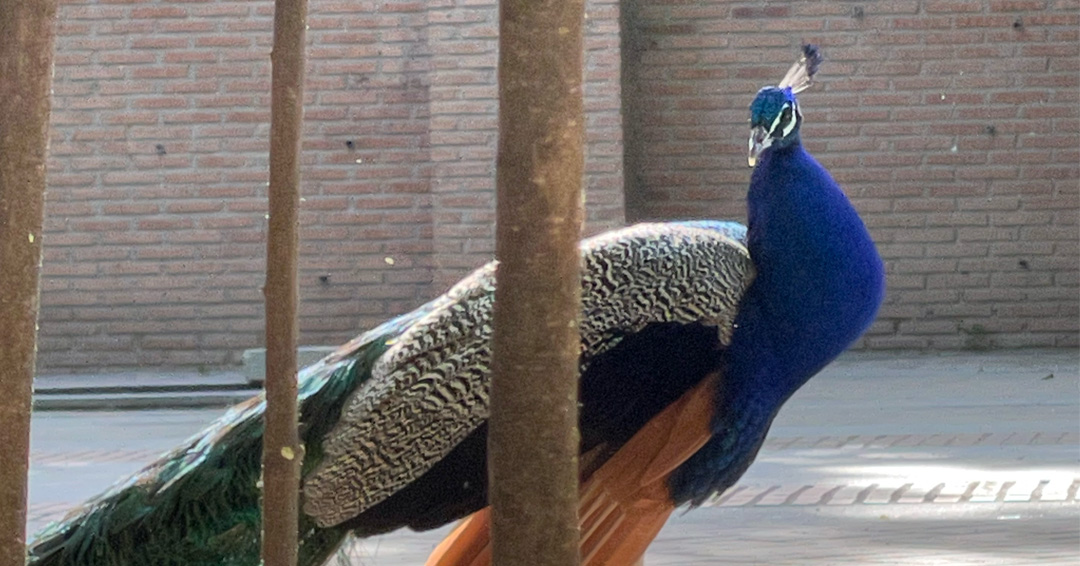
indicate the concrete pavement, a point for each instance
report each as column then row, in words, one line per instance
column 882, row 459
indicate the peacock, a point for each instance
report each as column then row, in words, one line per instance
column 694, row 334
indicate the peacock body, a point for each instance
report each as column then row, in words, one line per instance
column 694, row 334
column 385, row 409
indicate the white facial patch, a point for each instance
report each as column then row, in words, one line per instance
column 776, row 121
column 793, row 121
column 786, row 127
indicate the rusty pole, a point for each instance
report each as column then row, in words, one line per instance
column 533, row 436
column 26, row 52
column 282, row 452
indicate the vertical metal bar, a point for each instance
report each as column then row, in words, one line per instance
column 282, row 452
column 533, row 436
column 26, row 53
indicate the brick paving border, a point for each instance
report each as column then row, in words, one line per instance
column 1055, row 490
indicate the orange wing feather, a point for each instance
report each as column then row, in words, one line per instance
column 625, row 503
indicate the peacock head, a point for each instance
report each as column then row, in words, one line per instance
column 774, row 114
column 774, row 120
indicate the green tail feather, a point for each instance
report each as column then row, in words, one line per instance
column 199, row 505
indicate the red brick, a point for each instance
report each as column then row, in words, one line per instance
column 223, row 41
column 212, row 9
column 157, row 12
column 933, row 6
column 761, row 12
column 159, row 42
column 159, row 72
column 1016, row 5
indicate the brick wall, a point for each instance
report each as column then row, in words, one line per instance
column 463, row 36
column 156, row 226
column 155, row 223
column 953, row 126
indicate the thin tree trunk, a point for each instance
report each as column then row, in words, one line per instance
column 26, row 52
column 282, row 452
column 533, row 437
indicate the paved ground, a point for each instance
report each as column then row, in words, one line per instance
column 882, row 459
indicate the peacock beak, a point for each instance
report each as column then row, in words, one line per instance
column 759, row 140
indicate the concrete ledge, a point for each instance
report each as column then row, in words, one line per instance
column 117, row 401
column 140, row 381
column 140, row 390
column 254, row 361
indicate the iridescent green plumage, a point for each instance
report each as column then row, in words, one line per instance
column 199, row 505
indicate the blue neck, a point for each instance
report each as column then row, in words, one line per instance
column 819, row 277
column 818, row 287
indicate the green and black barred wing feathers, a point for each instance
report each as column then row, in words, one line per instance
column 431, row 388
column 394, row 422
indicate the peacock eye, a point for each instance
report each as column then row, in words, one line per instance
column 785, row 119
